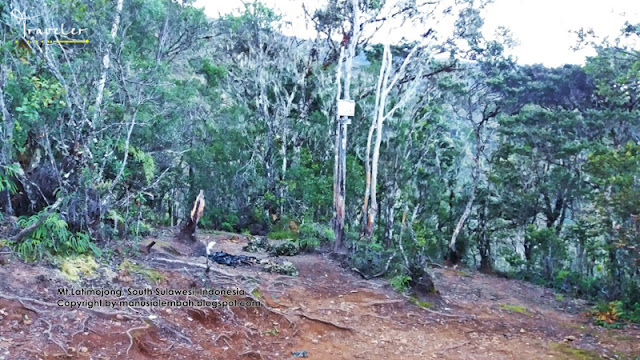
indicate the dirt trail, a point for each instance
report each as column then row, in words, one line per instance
column 327, row 311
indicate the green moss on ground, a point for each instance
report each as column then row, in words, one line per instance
column 75, row 267
column 571, row 353
column 152, row 275
column 423, row 304
column 516, row 308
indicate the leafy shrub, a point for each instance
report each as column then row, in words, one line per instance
column 608, row 314
column 311, row 236
column 54, row 237
column 400, row 283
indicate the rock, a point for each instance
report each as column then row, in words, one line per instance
column 522, row 330
column 257, row 229
column 570, row 338
column 109, row 274
column 315, row 341
column 119, row 317
column 83, row 349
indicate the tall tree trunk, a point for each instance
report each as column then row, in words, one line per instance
column 454, row 257
column 7, row 134
column 381, row 115
column 373, row 210
column 341, row 150
column 367, row 158
column 106, row 61
column 484, row 242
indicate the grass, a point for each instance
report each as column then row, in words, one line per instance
column 559, row 297
column 516, row 308
column 282, row 235
column 571, row 353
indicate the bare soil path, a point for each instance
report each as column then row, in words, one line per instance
column 327, row 311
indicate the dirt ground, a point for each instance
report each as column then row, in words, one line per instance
column 328, row 311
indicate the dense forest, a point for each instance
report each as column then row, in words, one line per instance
column 456, row 154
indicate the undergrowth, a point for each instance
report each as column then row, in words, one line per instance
column 52, row 237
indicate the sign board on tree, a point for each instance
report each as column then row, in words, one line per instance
column 346, row 107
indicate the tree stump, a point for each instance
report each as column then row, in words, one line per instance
column 189, row 229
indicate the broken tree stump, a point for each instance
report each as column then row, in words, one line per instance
column 189, row 229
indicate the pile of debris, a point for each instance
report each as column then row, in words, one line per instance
column 277, row 267
column 256, row 244
column 279, row 248
column 224, row 258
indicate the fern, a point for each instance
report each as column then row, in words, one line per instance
column 53, row 237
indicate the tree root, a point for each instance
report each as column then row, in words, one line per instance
column 251, row 352
column 82, row 327
column 201, row 266
column 50, row 338
column 326, row 322
column 224, row 337
column 175, row 332
column 381, row 302
column 48, row 304
column 452, row 347
column 131, row 341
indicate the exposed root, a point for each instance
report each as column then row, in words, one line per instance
column 201, row 266
column 20, row 299
column 264, row 306
column 82, row 327
column 327, row 322
column 29, row 307
column 381, row 302
column 250, row 352
column 50, row 338
column 471, row 317
column 441, row 352
column 175, row 332
column 224, row 337
column 146, row 326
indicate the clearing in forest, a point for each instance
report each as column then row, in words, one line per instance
column 328, row 311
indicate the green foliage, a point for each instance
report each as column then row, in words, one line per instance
column 53, row 237
column 282, row 235
column 312, row 235
column 5, row 181
column 400, row 283
column 212, row 73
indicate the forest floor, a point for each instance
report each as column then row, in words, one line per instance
column 328, row 311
